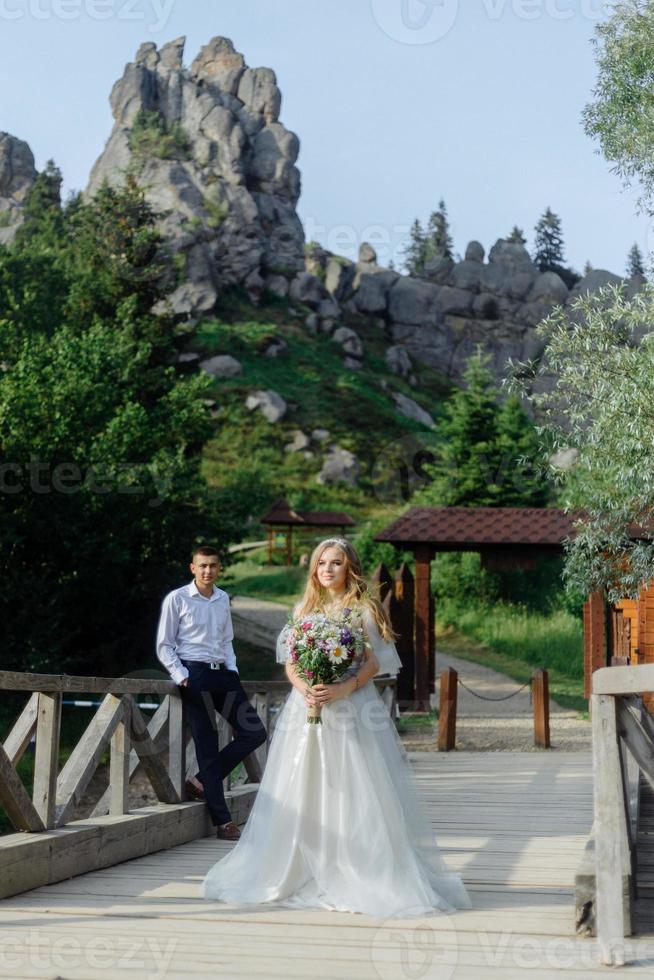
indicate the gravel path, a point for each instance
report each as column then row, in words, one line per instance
column 257, row 621
column 496, row 726
column 505, row 726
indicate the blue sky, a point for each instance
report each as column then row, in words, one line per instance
column 397, row 103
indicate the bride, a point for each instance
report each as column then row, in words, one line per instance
column 336, row 823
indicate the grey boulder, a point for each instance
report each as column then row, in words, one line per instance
column 271, row 405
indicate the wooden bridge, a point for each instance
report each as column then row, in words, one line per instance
column 515, row 825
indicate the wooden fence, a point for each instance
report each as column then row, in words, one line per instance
column 623, row 748
column 160, row 747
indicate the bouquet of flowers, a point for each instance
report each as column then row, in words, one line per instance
column 323, row 647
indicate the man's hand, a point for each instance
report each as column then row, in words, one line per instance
column 184, row 683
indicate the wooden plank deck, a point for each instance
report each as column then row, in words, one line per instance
column 514, row 825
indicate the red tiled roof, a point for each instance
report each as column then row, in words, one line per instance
column 455, row 527
column 282, row 513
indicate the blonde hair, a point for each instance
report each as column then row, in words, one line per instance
column 356, row 593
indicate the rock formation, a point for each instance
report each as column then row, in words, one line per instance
column 17, row 174
column 207, row 143
column 442, row 319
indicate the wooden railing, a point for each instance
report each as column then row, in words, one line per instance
column 161, row 746
column 623, row 748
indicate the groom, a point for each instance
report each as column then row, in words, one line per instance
column 194, row 644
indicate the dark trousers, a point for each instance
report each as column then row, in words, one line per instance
column 220, row 689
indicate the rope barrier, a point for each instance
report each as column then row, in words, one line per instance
column 503, row 697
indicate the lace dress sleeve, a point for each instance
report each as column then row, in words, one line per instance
column 282, row 651
column 384, row 650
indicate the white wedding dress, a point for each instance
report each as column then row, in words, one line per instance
column 336, row 823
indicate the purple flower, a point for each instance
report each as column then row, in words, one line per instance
column 346, row 612
column 309, row 673
column 346, row 636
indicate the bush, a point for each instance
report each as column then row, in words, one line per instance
column 216, row 209
column 151, row 136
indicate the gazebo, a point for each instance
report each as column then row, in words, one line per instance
column 506, row 537
column 281, row 519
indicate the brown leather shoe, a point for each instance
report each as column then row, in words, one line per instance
column 228, row 831
column 194, row 792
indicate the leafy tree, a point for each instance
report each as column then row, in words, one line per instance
column 600, row 358
column 33, row 280
column 621, row 114
column 488, row 450
column 100, row 442
column 517, row 236
column 635, row 262
column 600, row 408
column 548, row 242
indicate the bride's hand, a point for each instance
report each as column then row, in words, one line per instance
column 309, row 697
column 325, row 693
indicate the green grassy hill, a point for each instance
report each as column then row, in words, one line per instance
column 247, row 454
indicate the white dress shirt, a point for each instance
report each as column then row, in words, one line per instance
column 194, row 627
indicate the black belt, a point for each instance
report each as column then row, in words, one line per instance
column 213, row 664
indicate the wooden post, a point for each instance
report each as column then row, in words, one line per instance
column 594, row 637
column 177, row 744
column 381, row 581
column 646, row 635
column 46, row 758
column 609, row 831
column 540, row 692
column 447, row 712
column 423, row 620
column 432, row 640
column 402, row 620
column 14, row 798
column 119, row 764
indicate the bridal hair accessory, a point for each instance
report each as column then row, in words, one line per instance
column 341, row 542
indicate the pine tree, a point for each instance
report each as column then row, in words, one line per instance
column 517, row 236
column 635, row 262
column 588, row 268
column 432, row 242
column 415, row 251
column 439, row 242
column 520, row 479
column 548, row 242
column 486, row 457
column 42, row 212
